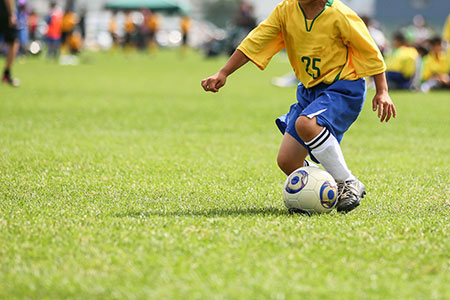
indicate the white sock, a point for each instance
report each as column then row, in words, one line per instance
column 327, row 150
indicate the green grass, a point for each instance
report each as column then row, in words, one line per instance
column 120, row 178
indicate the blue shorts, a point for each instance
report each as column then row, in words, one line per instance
column 336, row 106
column 397, row 81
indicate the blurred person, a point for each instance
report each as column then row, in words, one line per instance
column 418, row 33
column 130, row 31
column 75, row 43
column 435, row 67
column 214, row 47
column 54, row 30
column 82, row 23
column 401, row 63
column 422, row 51
column 245, row 17
column 8, row 22
column 22, row 27
column 33, row 22
column 376, row 33
column 243, row 23
column 69, row 22
column 112, row 28
column 332, row 90
column 153, row 27
column 185, row 25
column 142, row 36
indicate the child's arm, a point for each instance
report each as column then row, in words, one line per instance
column 215, row 82
column 382, row 100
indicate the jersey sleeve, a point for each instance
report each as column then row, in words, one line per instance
column 263, row 42
column 364, row 54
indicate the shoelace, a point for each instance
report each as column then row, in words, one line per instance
column 344, row 189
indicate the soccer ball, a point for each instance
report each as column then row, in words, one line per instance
column 310, row 190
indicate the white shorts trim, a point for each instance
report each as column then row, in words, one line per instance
column 316, row 113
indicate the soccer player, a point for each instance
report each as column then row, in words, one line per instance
column 54, row 30
column 435, row 67
column 69, row 22
column 331, row 51
column 185, row 25
column 8, row 29
column 401, row 64
column 130, row 31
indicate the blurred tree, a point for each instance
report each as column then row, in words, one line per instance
column 220, row 12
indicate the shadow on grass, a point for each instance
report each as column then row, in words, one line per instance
column 215, row 212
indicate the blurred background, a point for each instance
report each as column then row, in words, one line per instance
column 62, row 29
column 218, row 14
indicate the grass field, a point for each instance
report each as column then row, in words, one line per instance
column 121, row 179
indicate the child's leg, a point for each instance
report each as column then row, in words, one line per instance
column 291, row 155
column 324, row 147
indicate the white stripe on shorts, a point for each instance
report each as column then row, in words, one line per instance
column 310, row 116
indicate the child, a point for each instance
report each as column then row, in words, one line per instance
column 331, row 51
column 8, row 29
column 435, row 67
column 401, row 64
column 54, row 27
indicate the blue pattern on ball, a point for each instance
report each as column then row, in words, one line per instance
column 300, row 178
column 330, row 194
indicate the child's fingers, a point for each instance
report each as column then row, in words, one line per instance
column 209, row 85
column 374, row 104
column 389, row 114
column 385, row 111
column 204, row 84
column 381, row 112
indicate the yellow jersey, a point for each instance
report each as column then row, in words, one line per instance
column 433, row 65
column 153, row 23
column 113, row 26
column 69, row 22
column 185, row 24
column 446, row 31
column 403, row 60
column 129, row 24
column 335, row 45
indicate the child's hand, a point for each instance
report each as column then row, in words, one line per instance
column 214, row 83
column 386, row 107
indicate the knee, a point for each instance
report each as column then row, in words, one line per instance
column 307, row 128
column 285, row 163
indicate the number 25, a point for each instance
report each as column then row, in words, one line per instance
column 307, row 60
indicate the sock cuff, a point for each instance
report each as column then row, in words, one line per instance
column 319, row 139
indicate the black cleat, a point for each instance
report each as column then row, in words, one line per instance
column 350, row 193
